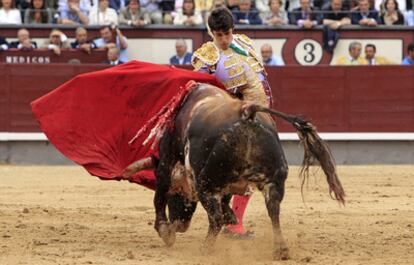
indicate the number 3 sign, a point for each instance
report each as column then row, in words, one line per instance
column 308, row 52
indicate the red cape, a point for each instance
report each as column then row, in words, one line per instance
column 91, row 118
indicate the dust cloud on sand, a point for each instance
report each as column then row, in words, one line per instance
column 61, row 215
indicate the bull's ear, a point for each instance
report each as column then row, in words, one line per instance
column 248, row 111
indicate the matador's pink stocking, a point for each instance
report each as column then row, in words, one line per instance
column 239, row 207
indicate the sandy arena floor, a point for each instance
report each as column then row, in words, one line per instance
column 61, row 215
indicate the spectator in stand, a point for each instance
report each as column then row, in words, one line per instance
column 182, row 56
column 38, row 13
column 392, row 14
column 84, row 5
column 268, row 57
column 402, row 5
column 23, row 41
column 81, row 41
column 335, row 15
column 232, row 4
column 113, row 57
column 8, row 13
column 103, row 15
column 352, row 5
column 354, row 57
column 152, row 7
column 4, row 45
column 275, row 15
column 245, row 14
column 188, row 16
column 364, row 15
column 409, row 59
column 57, row 41
column 371, row 58
column 73, row 14
column 111, row 36
column 409, row 18
column 134, row 15
column 304, row 16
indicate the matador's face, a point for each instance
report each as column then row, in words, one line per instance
column 223, row 38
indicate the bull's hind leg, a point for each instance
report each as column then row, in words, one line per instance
column 228, row 214
column 273, row 193
column 212, row 204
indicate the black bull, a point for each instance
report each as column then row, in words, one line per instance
column 219, row 146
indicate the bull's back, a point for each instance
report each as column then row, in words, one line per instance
column 205, row 109
column 224, row 145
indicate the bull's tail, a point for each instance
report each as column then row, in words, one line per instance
column 315, row 148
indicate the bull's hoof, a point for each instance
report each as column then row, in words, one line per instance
column 167, row 233
column 182, row 226
column 282, row 254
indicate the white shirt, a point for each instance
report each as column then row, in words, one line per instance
column 10, row 17
column 180, row 17
column 108, row 17
column 114, row 62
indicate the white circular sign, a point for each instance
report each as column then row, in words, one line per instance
column 308, row 52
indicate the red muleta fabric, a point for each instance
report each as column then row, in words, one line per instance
column 91, row 118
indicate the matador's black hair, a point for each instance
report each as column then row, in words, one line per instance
column 221, row 19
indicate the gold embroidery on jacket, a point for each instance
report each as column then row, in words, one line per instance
column 208, row 54
column 230, row 62
column 235, row 82
column 236, row 71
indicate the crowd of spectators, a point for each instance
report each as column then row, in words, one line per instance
column 111, row 39
column 138, row 13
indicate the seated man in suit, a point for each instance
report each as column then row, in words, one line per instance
column 364, row 15
column 182, row 56
column 23, row 41
column 134, row 15
column 335, row 15
column 304, row 16
column 354, row 57
column 113, row 56
column 245, row 14
column 372, row 58
column 81, row 41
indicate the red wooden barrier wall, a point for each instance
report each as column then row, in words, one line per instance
column 347, row 99
column 336, row 99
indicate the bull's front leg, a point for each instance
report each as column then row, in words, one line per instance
column 165, row 230
column 212, row 204
column 273, row 194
